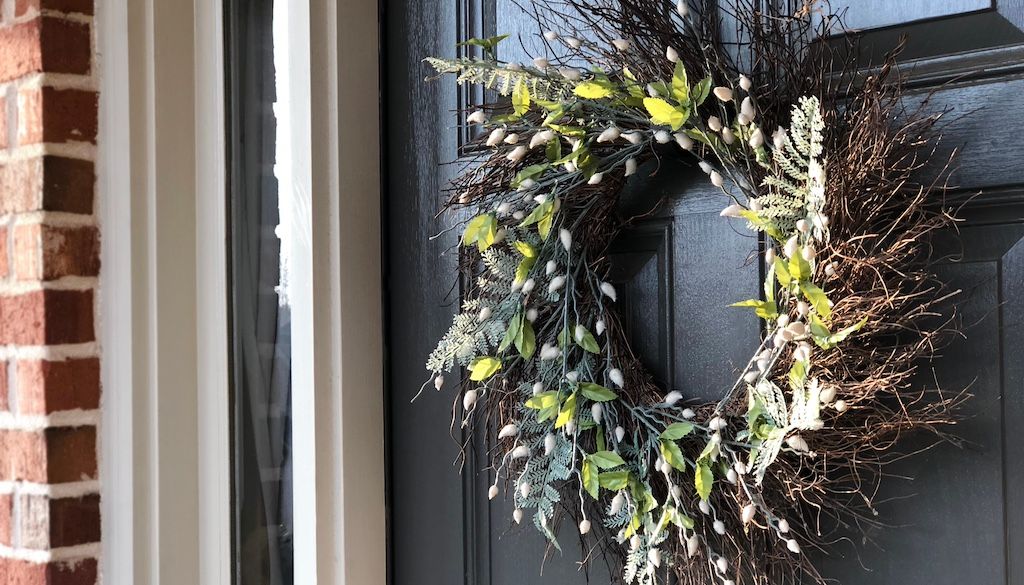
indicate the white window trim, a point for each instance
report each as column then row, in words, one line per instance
column 165, row 457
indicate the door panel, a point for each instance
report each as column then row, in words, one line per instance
column 677, row 270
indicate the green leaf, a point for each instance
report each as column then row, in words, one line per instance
column 606, row 459
column 530, row 172
column 679, row 519
column 567, row 411
column 614, row 480
column 593, row 90
column 526, row 340
column 701, row 91
column 664, row 113
column 597, row 392
column 676, row 431
column 539, row 213
column 710, row 139
column 484, row 367
column 670, row 452
column 574, row 131
column 563, row 339
column 680, row 85
column 826, row 339
column 589, row 477
column 520, row 98
column 553, row 150
column 587, row 341
column 488, row 44
column 762, row 223
column 817, row 298
column 543, row 400
column 512, row 332
column 703, row 480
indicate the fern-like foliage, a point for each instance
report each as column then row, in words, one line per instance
column 796, row 189
column 501, row 78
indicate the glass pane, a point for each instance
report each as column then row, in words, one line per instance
column 260, row 311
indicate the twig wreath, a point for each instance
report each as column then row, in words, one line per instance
column 817, row 154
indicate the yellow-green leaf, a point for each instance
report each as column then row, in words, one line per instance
column 520, row 98
column 782, row 273
column 543, row 400
column 523, row 270
column 817, row 298
column 482, row 368
column 592, row 90
column 664, row 113
column 589, row 477
column 680, row 85
column 567, row 411
column 798, row 375
column 799, row 268
column 525, row 248
column 703, row 480
column 670, row 452
column 472, row 233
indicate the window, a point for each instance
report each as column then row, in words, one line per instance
column 262, row 196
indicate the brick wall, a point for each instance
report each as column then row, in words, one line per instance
column 49, row 263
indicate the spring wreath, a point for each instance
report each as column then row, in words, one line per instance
column 818, row 155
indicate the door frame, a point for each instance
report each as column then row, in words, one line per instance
column 165, row 447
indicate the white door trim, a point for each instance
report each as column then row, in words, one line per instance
column 165, row 442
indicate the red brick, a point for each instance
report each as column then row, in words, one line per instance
column 45, row 523
column 49, row 44
column 18, row 572
column 71, row 454
column 74, row 521
column 48, row 183
column 67, row 6
column 6, row 502
column 57, row 115
column 56, row 455
column 46, row 317
column 22, row 456
column 49, row 386
column 3, row 123
column 4, row 268
column 43, row 252
column 4, row 402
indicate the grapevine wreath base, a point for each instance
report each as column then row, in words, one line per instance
column 820, row 157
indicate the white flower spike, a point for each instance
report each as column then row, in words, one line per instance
column 565, row 236
column 723, row 93
column 615, row 375
column 608, row 290
column 609, row 134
